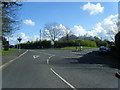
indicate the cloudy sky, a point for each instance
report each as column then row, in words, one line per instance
column 82, row 18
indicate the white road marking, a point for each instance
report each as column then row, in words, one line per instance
column 35, row 56
column 54, row 54
column 79, row 53
column 49, row 59
column 63, row 79
column 51, row 55
column 74, row 57
column 41, row 52
column 12, row 60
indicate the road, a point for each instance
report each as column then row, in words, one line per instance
column 60, row 69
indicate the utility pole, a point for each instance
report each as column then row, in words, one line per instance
column 40, row 39
column 40, row 35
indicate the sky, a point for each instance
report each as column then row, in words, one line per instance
column 82, row 18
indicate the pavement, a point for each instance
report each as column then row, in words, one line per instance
column 61, row 69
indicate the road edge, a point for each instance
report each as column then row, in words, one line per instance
column 10, row 61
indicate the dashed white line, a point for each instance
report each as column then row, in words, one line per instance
column 63, row 79
column 13, row 60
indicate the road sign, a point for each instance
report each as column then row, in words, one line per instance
column 52, row 42
column 19, row 39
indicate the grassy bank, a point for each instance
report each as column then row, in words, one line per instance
column 78, row 47
column 10, row 51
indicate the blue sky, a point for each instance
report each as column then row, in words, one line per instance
column 68, row 14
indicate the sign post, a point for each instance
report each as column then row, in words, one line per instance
column 80, row 45
column 52, row 44
column 19, row 40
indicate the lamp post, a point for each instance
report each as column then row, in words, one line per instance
column 19, row 39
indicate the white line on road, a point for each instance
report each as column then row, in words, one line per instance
column 35, row 56
column 41, row 52
column 63, row 79
column 74, row 57
column 51, row 55
column 49, row 59
column 13, row 60
column 54, row 54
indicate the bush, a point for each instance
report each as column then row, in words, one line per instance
column 57, row 44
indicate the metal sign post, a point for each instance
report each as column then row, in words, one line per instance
column 19, row 39
column 52, row 44
column 80, row 45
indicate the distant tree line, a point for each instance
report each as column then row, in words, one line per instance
column 63, row 42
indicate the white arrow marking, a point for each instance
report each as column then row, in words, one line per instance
column 35, row 56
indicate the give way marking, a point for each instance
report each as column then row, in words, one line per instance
column 35, row 56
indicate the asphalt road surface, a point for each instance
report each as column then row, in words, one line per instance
column 60, row 69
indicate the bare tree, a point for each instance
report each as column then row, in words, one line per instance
column 67, row 33
column 114, row 30
column 52, row 31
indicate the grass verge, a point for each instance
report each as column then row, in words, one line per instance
column 84, row 47
column 10, row 51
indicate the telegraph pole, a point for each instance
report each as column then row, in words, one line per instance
column 40, row 35
column 40, row 39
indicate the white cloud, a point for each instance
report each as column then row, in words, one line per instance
column 29, row 22
column 35, row 37
column 60, row 28
column 78, row 30
column 105, row 29
column 25, row 38
column 47, row 31
column 63, row 29
column 93, row 8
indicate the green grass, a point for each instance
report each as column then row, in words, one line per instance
column 84, row 47
column 10, row 51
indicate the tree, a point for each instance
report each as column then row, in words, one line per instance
column 98, row 41
column 53, row 31
column 67, row 33
column 68, row 37
column 9, row 20
column 117, row 44
column 114, row 30
column 9, row 17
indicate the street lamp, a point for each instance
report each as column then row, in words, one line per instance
column 19, row 39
